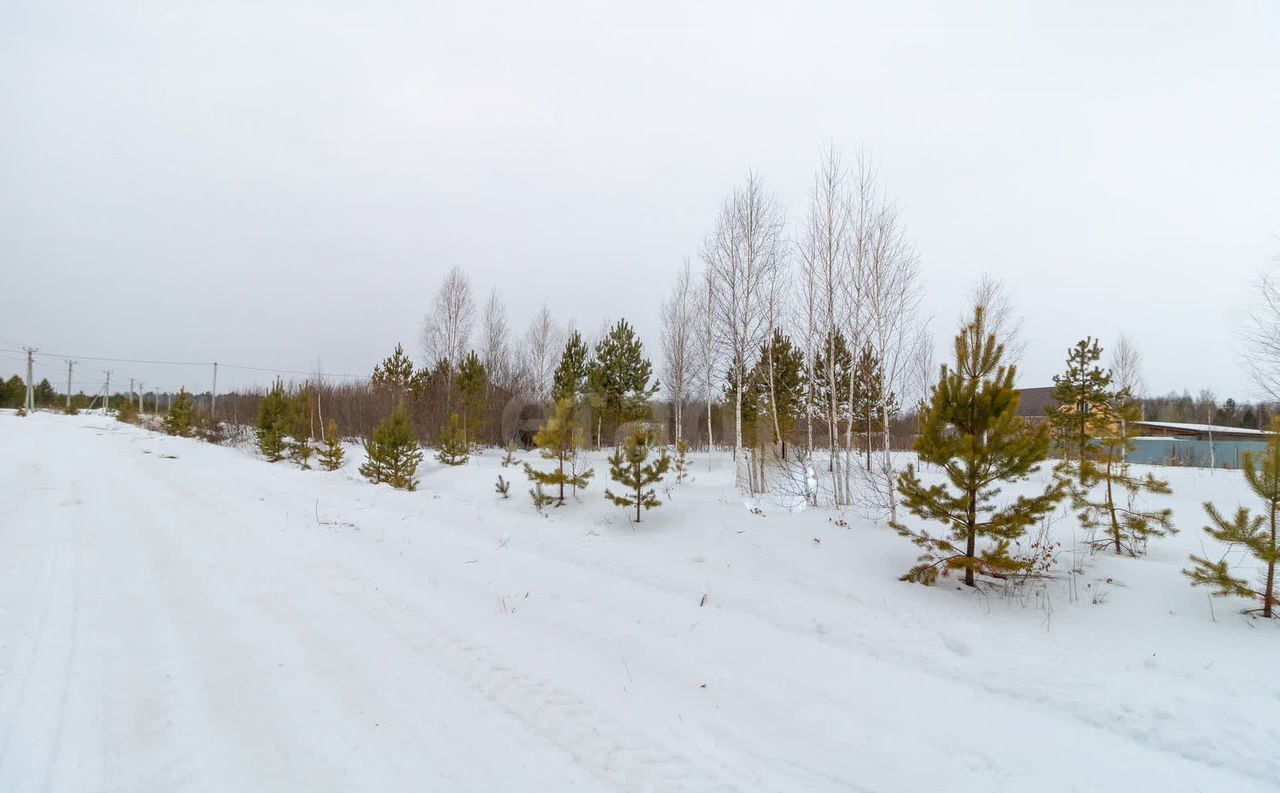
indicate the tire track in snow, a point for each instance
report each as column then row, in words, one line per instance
column 38, row 706
column 613, row 754
column 1257, row 765
column 629, row 762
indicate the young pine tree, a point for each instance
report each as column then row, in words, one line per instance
column 453, row 448
column 393, row 454
column 751, row 407
column 559, row 440
column 127, row 412
column 780, row 386
column 869, row 398
column 569, row 381
column 397, row 383
column 395, row 374
column 179, row 418
column 1079, row 393
column 298, row 428
column 273, row 423
column 832, row 371
column 971, row 430
column 630, row 467
column 1125, row 526
column 331, row 454
column 13, row 392
column 1256, row 534
column 44, row 393
column 471, row 384
column 620, row 378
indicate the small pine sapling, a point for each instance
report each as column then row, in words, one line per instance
column 395, row 375
column 540, row 499
column 127, row 412
column 681, row 463
column 560, row 440
column 393, row 453
column 1126, row 527
column 509, row 458
column 332, row 454
column 872, row 402
column 1079, row 394
column 503, row 487
column 178, row 420
column 630, row 467
column 471, row 384
column 453, row 448
column 298, row 439
column 300, row 451
column 273, row 417
column 972, row 431
column 1256, row 534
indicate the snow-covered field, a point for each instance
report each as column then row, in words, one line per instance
column 176, row 616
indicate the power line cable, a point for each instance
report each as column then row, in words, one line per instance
column 146, row 362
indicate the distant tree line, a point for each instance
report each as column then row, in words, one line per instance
column 1205, row 408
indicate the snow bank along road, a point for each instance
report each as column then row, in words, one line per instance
column 181, row 617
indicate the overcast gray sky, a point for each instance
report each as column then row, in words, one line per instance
column 268, row 182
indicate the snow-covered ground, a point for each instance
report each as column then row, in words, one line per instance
column 177, row 616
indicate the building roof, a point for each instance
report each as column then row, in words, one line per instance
column 1200, row 429
column 1035, row 402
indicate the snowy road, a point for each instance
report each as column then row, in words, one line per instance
column 181, row 617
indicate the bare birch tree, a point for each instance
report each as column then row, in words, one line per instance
column 496, row 342
column 774, row 306
column 825, row 249
column 708, row 351
column 1125, row 361
column 1002, row 318
column 807, row 318
column 1262, row 337
column 446, row 329
column 889, row 292
column 743, row 253
column 865, row 208
column 921, row 372
column 542, row 342
column 680, row 315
